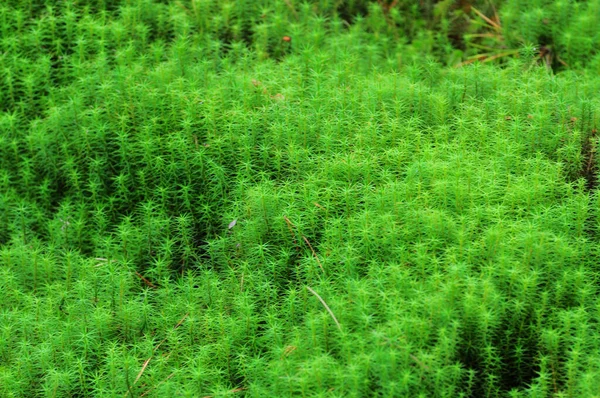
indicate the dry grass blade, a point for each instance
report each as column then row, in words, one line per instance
column 139, row 374
column 492, row 23
column 486, row 57
column 496, row 16
column 326, row 307
column 144, row 366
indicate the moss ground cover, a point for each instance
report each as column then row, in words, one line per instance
column 192, row 206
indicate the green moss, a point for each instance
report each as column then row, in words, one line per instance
column 401, row 228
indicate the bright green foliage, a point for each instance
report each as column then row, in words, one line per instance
column 167, row 200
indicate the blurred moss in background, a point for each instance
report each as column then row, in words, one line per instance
column 562, row 33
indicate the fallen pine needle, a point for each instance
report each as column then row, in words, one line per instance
column 142, row 371
column 326, row 307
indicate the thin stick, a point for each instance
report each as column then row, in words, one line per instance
column 314, row 254
column 326, row 307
